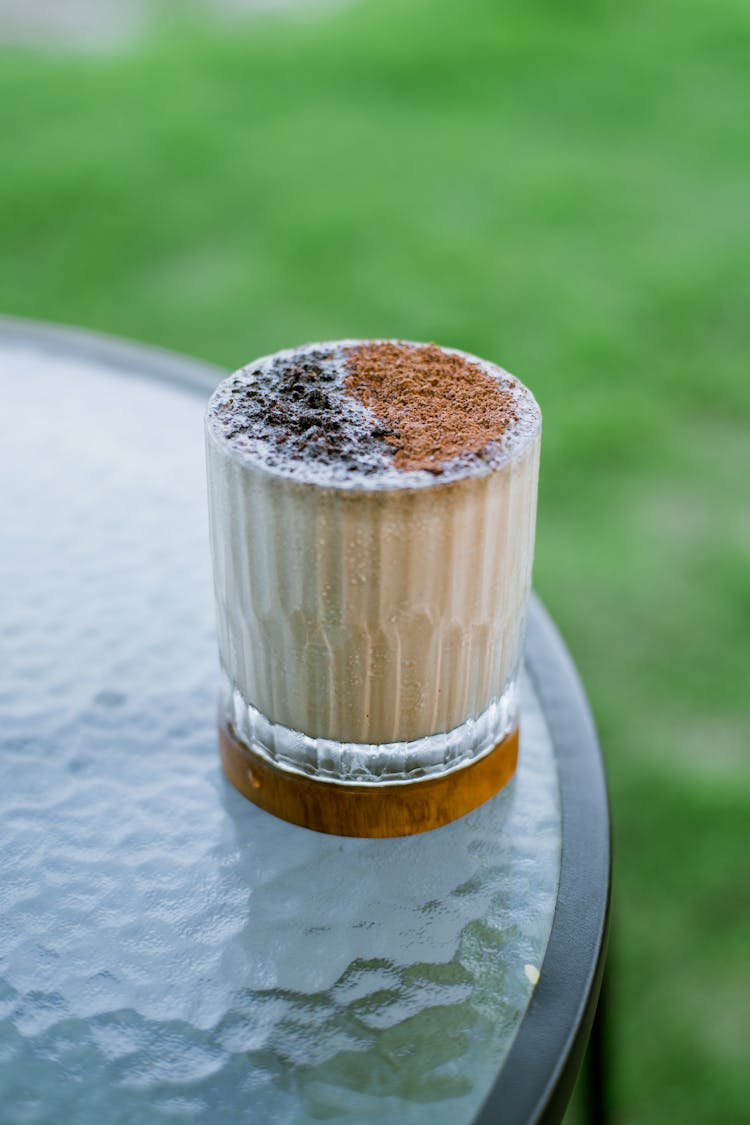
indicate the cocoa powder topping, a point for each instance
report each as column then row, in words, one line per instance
column 432, row 405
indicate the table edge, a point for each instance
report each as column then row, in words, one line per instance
column 127, row 356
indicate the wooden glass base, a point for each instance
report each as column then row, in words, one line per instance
column 400, row 809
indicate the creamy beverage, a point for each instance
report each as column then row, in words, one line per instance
column 372, row 508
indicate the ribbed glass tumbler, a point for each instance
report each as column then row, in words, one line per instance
column 371, row 635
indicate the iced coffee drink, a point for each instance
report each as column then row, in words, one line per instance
column 372, row 510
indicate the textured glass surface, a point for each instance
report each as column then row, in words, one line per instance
column 168, row 952
column 368, row 763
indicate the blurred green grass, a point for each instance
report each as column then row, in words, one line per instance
column 563, row 189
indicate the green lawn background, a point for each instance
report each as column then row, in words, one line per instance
column 564, row 189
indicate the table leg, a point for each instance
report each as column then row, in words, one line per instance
column 597, row 1085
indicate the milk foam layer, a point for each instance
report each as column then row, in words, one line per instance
column 272, row 414
column 371, row 632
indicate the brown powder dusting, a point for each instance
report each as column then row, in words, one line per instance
column 432, row 406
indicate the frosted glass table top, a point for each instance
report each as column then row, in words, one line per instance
column 169, row 952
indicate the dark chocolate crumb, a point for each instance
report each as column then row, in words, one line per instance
column 318, row 400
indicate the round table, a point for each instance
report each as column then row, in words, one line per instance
column 169, row 952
